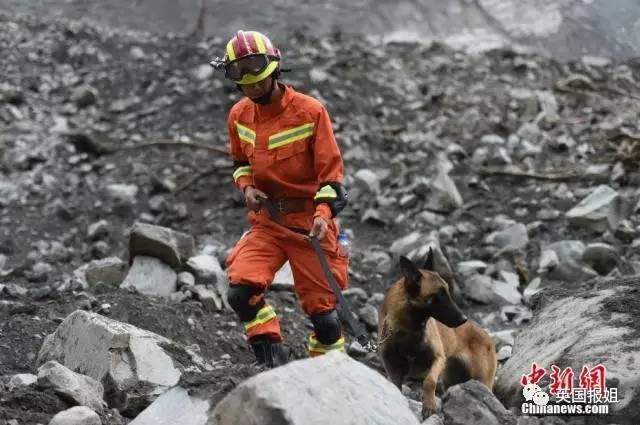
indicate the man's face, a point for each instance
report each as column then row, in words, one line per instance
column 258, row 89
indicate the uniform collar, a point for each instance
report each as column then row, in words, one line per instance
column 265, row 112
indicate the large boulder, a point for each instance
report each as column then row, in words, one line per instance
column 328, row 389
column 133, row 365
column 597, row 326
column 174, row 248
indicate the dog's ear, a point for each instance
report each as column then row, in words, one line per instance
column 411, row 276
column 428, row 263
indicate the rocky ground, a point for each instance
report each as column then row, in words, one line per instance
column 523, row 169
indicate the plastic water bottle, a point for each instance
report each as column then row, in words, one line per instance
column 344, row 246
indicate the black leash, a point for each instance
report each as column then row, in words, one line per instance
column 344, row 309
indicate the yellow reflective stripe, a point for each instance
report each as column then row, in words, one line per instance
column 242, row 171
column 316, row 346
column 230, row 53
column 289, row 136
column 265, row 314
column 245, row 133
column 259, row 43
column 326, row 191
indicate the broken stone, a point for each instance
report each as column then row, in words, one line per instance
column 512, row 238
column 208, row 298
column 79, row 415
column 332, row 383
column 174, row 407
column 174, row 248
column 206, row 269
column 473, row 403
column 80, row 389
column 21, row 380
column 602, row 257
column 485, row 290
column 134, row 365
column 151, row 276
column 603, row 209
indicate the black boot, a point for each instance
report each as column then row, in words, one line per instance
column 268, row 353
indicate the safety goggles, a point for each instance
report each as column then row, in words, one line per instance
column 254, row 64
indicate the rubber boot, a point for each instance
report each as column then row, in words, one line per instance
column 268, row 353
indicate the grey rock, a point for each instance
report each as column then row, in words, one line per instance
column 512, row 238
column 84, row 96
column 504, row 353
column 98, row 230
column 469, row 268
column 473, row 403
column 445, row 196
column 175, row 406
column 110, row 270
column 135, row 364
column 78, row 415
column 82, row 390
column 532, row 288
column 367, row 181
column 21, row 380
column 433, row 420
column 603, row 209
column 174, row 248
column 209, row 299
column 601, row 257
column 516, row 314
column 186, row 280
column 331, row 383
column 206, row 269
column 570, row 266
column 485, row 290
column 41, row 271
column 123, row 193
column 574, row 330
column 369, row 315
column 151, row 276
column 379, row 261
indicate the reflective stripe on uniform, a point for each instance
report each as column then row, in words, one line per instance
column 245, row 170
column 245, row 133
column 265, row 314
column 326, row 191
column 289, row 136
column 316, row 347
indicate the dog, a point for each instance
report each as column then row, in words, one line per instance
column 423, row 334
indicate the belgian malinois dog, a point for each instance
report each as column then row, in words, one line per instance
column 423, row 334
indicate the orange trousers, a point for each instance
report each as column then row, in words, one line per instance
column 262, row 251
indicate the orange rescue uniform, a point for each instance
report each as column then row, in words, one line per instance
column 287, row 150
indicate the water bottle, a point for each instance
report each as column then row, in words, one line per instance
column 344, row 246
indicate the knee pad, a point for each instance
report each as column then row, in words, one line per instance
column 327, row 326
column 239, row 296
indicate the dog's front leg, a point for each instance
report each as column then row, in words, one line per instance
column 396, row 366
column 429, row 401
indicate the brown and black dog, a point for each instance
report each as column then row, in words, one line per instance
column 423, row 334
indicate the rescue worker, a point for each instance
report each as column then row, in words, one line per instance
column 283, row 149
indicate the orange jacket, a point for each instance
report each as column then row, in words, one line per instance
column 286, row 148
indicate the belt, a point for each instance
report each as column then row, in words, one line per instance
column 293, row 205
